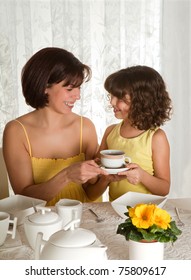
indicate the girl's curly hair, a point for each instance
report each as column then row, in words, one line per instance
column 150, row 102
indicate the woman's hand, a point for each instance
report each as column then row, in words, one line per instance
column 115, row 177
column 81, row 172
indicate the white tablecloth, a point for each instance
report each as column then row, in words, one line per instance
column 117, row 246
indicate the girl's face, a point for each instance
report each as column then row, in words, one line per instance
column 120, row 106
column 62, row 98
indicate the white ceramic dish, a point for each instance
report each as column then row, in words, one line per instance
column 45, row 221
column 132, row 198
column 114, row 170
column 20, row 206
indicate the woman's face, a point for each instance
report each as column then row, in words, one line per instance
column 120, row 106
column 62, row 98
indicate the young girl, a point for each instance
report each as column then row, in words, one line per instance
column 139, row 98
column 49, row 152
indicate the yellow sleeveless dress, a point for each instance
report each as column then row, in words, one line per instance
column 140, row 150
column 45, row 168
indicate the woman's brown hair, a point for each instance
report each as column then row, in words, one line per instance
column 49, row 66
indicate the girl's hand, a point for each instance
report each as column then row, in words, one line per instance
column 133, row 174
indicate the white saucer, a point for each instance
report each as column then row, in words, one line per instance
column 114, row 170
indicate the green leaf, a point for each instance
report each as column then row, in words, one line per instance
column 147, row 235
column 174, row 228
column 134, row 235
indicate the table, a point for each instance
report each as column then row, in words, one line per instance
column 117, row 246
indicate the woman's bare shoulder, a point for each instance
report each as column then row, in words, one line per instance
column 88, row 123
column 12, row 134
column 11, row 126
column 87, row 120
column 15, row 126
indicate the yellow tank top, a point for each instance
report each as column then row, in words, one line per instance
column 140, row 150
column 45, row 168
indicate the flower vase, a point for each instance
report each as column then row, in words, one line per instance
column 144, row 250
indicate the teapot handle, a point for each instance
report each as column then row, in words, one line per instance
column 39, row 242
column 71, row 224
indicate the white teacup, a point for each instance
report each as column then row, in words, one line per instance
column 114, row 158
column 69, row 210
column 5, row 221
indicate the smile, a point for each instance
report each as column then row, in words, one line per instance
column 68, row 103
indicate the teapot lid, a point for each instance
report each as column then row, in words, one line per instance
column 77, row 237
column 44, row 216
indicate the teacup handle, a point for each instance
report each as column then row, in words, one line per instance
column 75, row 216
column 13, row 230
column 127, row 159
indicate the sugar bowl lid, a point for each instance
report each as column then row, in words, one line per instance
column 43, row 216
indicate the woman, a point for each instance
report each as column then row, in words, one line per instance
column 48, row 152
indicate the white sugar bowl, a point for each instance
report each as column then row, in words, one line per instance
column 70, row 243
column 45, row 221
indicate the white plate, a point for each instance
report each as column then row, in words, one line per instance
column 20, row 206
column 132, row 198
column 114, row 170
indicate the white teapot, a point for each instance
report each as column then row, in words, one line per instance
column 70, row 243
column 45, row 221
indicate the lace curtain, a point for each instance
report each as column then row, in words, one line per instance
column 107, row 35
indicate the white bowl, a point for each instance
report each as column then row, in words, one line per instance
column 20, row 206
column 45, row 221
column 132, row 198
